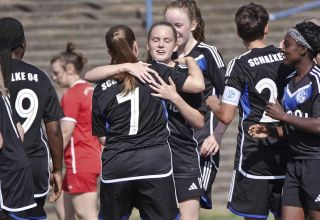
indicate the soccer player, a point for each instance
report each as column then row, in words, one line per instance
column 16, row 187
column 136, row 162
column 185, row 16
column 301, row 115
column 253, row 79
column 35, row 100
column 82, row 151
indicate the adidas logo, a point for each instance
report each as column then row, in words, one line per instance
column 193, row 187
column 317, row 199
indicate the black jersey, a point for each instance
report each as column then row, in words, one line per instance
column 302, row 99
column 182, row 141
column 212, row 66
column 12, row 155
column 133, row 122
column 34, row 99
column 253, row 79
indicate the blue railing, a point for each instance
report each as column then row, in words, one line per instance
column 149, row 14
column 294, row 10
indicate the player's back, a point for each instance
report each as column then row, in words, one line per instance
column 260, row 75
column 34, row 98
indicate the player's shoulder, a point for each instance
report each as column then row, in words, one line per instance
column 237, row 61
column 210, row 52
column 315, row 77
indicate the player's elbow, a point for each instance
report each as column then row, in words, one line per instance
column 199, row 124
column 199, row 85
column 225, row 118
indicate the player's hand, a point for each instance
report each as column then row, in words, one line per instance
column 55, row 186
column 141, row 70
column 258, row 131
column 209, row 146
column 275, row 111
column 164, row 90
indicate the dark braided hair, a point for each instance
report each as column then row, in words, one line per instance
column 311, row 33
column 194, row 13
column 11, row 37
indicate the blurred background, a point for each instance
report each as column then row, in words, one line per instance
column 50, row 24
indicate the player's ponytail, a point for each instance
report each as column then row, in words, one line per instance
column 120, row 41
column 11, row 37
column 194, row 14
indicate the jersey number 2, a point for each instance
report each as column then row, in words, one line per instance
column 29, row 113
column 134, row 119
column 269, row 84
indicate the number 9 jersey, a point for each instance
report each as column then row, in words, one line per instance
column 34, row 98
column 253, row 79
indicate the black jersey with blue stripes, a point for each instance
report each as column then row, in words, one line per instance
column 132, row 124
column 259, row 76
column 35, row 100
column 302, row 99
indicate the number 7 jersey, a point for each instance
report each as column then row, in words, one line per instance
column 253, row 79
column 34, row 98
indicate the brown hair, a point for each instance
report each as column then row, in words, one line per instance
column 71, row 56
column 120, row 40
column 251, row 21
column 194, row 13
column 161, row 23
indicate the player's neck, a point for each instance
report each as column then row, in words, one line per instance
column 254, row 44
column 303, row 67
column 186, row 49
column 73, row 80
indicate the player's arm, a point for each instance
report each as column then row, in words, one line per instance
column 310, row 125
column 67, row 127
column 225, row 109
column 1, row 142
column 195, row 81
column 21, row 131
column 169, row 92
column 140, row 70
column 55, row 142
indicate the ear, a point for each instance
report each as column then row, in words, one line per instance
column 135, row 48
column 266, row 30
column 147, row 47
column 69, row 68
column 302, row 50
column 194, row 24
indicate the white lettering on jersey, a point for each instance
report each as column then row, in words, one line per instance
column 231, row 96
column 268, row 84
column 108, row 83
column 298, row 113
column 19, row 76
column 270, row 58
column 30, row 112
column 171, row 107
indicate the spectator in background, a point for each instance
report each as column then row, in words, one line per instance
column 81, row 150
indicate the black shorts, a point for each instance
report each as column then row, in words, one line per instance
column 17, row 192
column 154, row 198
column 254, row 198
column 301, row 187
column 188, row 188
column 41, row 175
column 209, row 168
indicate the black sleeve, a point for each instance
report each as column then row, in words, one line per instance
column 235, row 77
column 98, row 120
column 52, row 110
column 178, row 75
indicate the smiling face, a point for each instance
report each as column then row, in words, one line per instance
column 162, row 43
column 179, row 18
column 292, row 50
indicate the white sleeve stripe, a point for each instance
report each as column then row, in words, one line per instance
column 230, row 67
column 69, row 119
column 316, row 76
column 214, row 53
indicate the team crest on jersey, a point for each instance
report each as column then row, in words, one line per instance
column 231, row 94
column 301, row 96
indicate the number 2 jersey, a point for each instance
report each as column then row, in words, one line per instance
column 34, row 98
column 302, row 99
column 135, row 126
column 254, row 78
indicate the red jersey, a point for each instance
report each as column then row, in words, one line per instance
column 82, row 154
